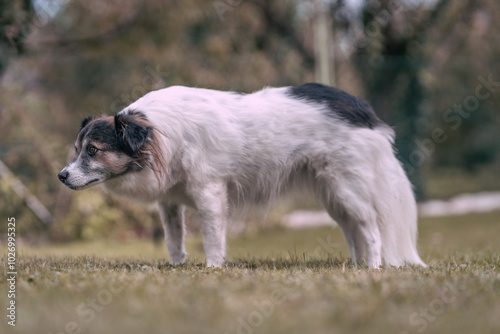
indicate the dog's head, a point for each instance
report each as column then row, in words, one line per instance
column 108, row 147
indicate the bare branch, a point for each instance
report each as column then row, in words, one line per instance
column 20, row 189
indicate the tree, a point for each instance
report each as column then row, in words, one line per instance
column 15, row 20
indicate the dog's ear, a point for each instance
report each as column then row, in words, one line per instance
column 131, row 133
column 86, row 121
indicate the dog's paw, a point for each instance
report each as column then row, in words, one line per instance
column 216, row 262
column 177, row 259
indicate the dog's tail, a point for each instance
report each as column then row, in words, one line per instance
column 395, row 206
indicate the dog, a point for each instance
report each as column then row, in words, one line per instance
column 220, row 152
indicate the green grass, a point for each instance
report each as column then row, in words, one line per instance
column 442, row 183
column 276, row 281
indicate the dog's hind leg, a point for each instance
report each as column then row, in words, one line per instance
column 212, row 205
column 357, row 219
column 172, row 217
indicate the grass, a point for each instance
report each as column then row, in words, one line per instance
column 276, row 281
column 443, row 183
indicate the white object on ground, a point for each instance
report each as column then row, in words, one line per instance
column 306, row 218
column 458, row 205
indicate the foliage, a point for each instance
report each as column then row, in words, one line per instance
column 275, row 282
column 415, row 63
column 15, row 19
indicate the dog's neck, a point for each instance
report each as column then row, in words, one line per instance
column 142, row 186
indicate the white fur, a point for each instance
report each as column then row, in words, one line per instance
column 225, row 151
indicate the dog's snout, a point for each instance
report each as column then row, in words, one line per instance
column 63, row 175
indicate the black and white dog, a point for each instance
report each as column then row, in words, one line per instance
column 219, row 152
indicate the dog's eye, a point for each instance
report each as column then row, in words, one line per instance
column 91, row 150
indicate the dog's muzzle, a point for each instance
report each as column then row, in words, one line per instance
column 63, row 175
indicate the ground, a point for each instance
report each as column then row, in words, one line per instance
column 276, row 281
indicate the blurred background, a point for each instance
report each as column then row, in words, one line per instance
column 430, row 68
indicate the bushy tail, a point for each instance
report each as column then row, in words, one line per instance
column 395, row 206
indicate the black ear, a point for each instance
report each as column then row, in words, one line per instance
column 131, row 133
column 86, row 121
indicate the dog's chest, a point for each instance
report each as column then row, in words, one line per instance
column 142, row 186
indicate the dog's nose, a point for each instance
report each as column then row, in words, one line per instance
column 63, row 175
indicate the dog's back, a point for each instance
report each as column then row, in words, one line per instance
column 261, row 142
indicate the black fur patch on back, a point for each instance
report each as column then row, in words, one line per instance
column 340, row 104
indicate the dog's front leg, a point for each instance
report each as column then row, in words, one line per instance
column 172, row 217
column 211, row 202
